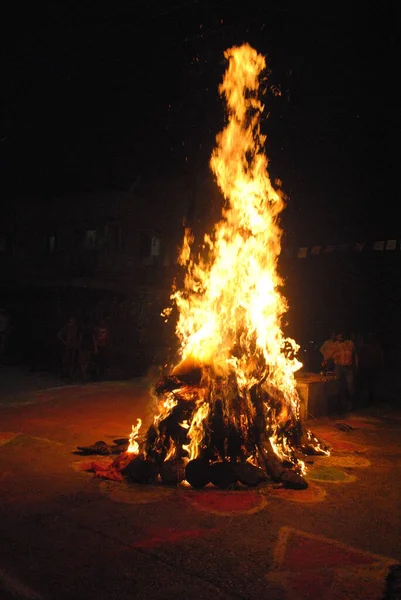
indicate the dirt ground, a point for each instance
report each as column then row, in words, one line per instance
column 66, row 534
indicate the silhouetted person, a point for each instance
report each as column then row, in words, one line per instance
column 70, row 337
column 86, row 352
column 345, row 363
column 101, row 343
column 326, row 351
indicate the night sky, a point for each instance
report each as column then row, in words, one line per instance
column 96, row 94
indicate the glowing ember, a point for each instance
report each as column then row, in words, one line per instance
column 232, row 398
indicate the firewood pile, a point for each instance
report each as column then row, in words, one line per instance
column 234, row 449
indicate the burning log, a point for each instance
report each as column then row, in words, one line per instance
column 271, row 463
column 235, row 444
column 197, row 473
column 189, row 371
column 312, row 446
column 171, row 426
column 168, row 384
column 140, row 470
column 223, row 475
column 277, row 470
column 172, row 472
column 224, row 444
column 250, row 475
column 150, row 443
column 293, row 480
column 273, row 466
column 218, row 430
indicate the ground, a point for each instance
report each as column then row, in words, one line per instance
column 67, row 534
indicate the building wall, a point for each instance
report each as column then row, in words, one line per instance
column 106, row 254
column 116, row 236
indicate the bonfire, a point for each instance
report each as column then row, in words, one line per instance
column 228, row 408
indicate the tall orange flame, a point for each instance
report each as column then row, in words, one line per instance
column 231, row 307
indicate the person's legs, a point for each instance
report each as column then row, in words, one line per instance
column 103, row 362
column 339, row 371
column 362, row 388
column 84, row 361
column 65, row 357
column 71, row 363
column 97, row 364
column 350, row 387
column 345, row 376
column 372, row 385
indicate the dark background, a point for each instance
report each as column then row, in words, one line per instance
column 98, row 95
column 94, row 94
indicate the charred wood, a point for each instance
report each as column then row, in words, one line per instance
column 140, row 470
column 193, row 377
column 172, row 472
column 218, row 430
column 311, row 450
column 293, row 480
column 269, row 460
column 235, row 443
column 150, row 443
column 311, row 445
column 171, row 426
column 295, row 434
column 188, row 371
column 197, row 473
column 250, row 475
column 223, row 475
column 167, row 384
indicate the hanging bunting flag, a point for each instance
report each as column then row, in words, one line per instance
column 342, row 248
column 391, row 244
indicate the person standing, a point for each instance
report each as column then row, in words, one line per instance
column 101, row 341
column 345, row 361
column 70, row 337
column 85, row 353
column 326, row 351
